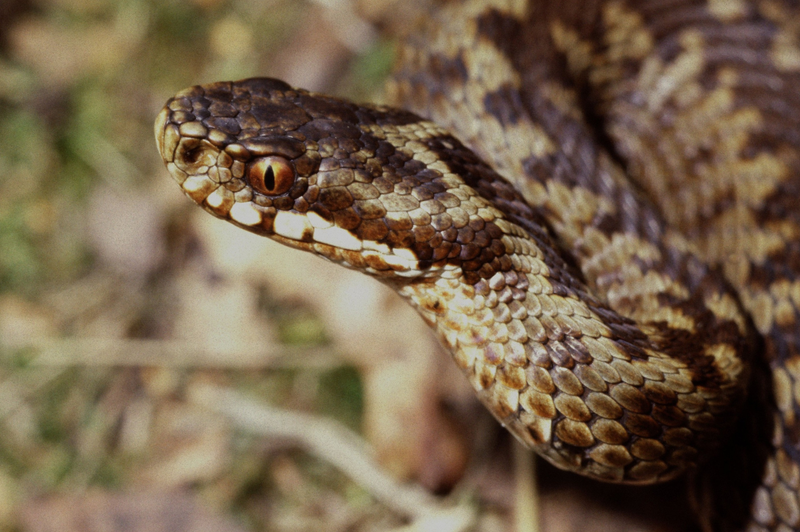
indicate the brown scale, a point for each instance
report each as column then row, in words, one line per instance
column 585, row 321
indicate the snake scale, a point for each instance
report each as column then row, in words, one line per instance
column 605, row 242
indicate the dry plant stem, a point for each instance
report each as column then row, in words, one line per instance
column 331, row 442
column 95, row 351
column 526, row 508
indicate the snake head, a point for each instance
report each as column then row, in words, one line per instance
column 362, row 185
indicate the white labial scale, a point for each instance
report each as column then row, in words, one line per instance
column 177, row 173
column 195, row 183
column 409, row 273
column 337, row 237
column 292, row 225
column 372, row 245
column 219, row 197
column 245, row 214
column 405, row 259
column 318, row 221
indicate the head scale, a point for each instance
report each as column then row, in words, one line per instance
column 363, row 185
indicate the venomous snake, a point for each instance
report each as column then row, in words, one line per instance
column 614, row 241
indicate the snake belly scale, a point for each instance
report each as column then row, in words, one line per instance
column 592, row 254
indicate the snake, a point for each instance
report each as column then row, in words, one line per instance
column 594, row 204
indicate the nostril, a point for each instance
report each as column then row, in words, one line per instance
column 193, row 155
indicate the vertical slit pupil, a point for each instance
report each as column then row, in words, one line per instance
column 269, row 178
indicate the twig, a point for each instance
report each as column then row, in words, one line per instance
column 340, row 447
column 170, row 353
column 526, row 513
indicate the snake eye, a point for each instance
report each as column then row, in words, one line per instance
column 271, row 176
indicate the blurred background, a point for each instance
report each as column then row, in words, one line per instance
column 128, row 317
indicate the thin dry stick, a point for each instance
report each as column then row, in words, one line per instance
column 526, row 513
column 94, row 351
column 340, row 447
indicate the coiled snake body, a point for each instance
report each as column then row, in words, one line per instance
column 633, row 187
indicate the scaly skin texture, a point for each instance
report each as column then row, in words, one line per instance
column 592, row 317
column 388, row 193
column 698, row 100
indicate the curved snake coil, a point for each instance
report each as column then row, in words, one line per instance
column 593, row 261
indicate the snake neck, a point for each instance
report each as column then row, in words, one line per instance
column 584, row 387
